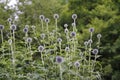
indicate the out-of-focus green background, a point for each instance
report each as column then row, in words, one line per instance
column 103, row 15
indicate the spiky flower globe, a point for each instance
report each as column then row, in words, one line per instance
column 90, row 41
column 59, row 59
column 10, row 41
column 95, row 51
column 74, row 16
column 73, row 24
column 40, row 48
column 25, row 30
column 59, row 40
column 9, row 19
column 47, row 20
column 29, row 40
column 73, row 34
column 91, row 29
column 42, row 17
column 1, row 27
column 65, row 25
column 13, row 27
column 99, row 35
column 86, row 43
column 67, row 49
column 66, row 30
column 56, row 16
column 42, row 35
column 77, row 64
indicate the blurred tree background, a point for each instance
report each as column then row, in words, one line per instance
column 103, row 15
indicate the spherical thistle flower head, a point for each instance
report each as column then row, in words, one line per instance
column 33, row 27
column 59, row 59
column 25, row 30
column 42, row 17
column 40, row 48
column 42, row 35
column 95, row 51
column 99, row 35
column 10, row 41
column 47, row 20
column 86, row 43
column 59, row 40
column 73, row 34
column 65, row 25
column 66, row 30
column 56, row 16
column 67, row 49
column 9, row 19
column 73, row 24
column 29, row 40
column 91, row 29
column 77, row 64
column 90, row 41
column 13, row 27
column 74, row 16
column 1, row 27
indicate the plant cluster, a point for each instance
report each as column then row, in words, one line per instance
column 48, row 55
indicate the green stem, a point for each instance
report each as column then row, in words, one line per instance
column 42, row 58
column 60, row 72
column 2, row 42
column 56, row 27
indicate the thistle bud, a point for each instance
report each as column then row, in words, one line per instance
column 59, row 40
column 40, row 48
column 42, row 17
column 56, row 16
column 42, row 35
column 29, row 40
column 74, row 16
column 99, row 35
column 67, row 49
column 25, row 30
column 9, row 19
column 66, row 30
column 10, row 41
column 47, row 20
column 1, row 27
column 65, row 25
column 77, row 64
column 90, row 41
column 13, row 27
column 85, row 43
